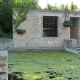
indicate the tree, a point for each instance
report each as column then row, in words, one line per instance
column 55, row 7
column 6, row 12
column 73, row 7
column 63, row 7
column 21, row 8
column 78, row 10
column 29, row 4
column 50, row 7
column 6, row 15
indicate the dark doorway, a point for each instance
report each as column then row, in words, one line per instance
column 74, row 28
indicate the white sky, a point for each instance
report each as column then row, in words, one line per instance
column 43, row 3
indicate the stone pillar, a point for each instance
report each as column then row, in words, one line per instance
column 3, row 65
column 79, row 32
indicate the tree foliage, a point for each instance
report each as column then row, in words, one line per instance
column 63, row 7
column 21, row 8
column 51, row 7
column 73, row 7
column 6, row 12
column 6, row 16
column 29, row 4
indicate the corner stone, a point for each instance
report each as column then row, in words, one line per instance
column 3, row 65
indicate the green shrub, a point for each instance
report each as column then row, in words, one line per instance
column 20, row 31
column 67, row 23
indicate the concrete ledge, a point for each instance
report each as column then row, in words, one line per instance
column 5, row 44
column 22, row 49
column 72, row 50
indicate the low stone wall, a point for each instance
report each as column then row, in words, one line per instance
column 5, row 44
column 70, row 46
column 70, row 43
column 3, row 65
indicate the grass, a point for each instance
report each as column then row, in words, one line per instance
column 44, row 65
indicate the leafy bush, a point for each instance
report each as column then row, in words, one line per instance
column 67, row 23
column 20, row 31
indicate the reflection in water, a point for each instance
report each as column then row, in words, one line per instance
column 15, row 76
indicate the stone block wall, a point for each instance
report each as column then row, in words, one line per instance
column 5, row 44
column 3, row 65
column 34, row 31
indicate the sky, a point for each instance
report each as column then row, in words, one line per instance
column 43, row 3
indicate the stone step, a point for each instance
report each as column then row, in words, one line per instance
column 34, row 49
column 77, row 48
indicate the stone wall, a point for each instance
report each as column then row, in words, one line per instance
column 3, row 65
column 34, row 31
column 6, row 44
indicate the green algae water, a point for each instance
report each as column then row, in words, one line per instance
column 43, row 65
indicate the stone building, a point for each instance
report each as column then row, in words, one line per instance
column 45, row 30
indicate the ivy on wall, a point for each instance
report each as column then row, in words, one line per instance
column 19, row 17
